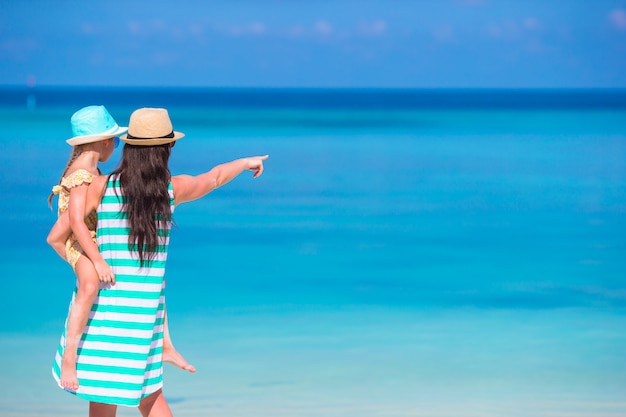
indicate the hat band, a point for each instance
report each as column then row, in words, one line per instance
column 169, row 135
column 112, row 130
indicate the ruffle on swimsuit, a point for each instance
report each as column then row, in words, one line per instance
column 75, row 179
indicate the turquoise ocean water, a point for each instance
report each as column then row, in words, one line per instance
column 406, row 253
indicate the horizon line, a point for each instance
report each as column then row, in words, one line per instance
column 204, row 87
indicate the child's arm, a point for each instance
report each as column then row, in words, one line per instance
column 188, row 188
column 59, row 234
column 77, row 211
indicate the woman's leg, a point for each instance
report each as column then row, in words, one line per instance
column 102, row 410
column 155, row 405
column 88, row 285
column 170, row 355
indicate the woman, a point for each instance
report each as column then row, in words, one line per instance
column 120, row 355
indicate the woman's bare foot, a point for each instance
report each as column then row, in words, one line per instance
column 69, row 380
column 171, row 356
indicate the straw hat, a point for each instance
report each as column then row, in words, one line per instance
column 93, row 124
column 150, row 126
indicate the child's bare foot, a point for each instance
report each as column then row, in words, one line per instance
column 69, row 380
column 171, row 356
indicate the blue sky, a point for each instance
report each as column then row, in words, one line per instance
column 338, row 43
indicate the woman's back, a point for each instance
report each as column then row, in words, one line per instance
column 114, row 228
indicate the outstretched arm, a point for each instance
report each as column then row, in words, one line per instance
column 59, row 234
column 188, row 187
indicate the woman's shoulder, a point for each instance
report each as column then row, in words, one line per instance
column 179, row 187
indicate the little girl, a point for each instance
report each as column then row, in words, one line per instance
column 73, row 235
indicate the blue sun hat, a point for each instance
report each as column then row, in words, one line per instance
column 92, row 124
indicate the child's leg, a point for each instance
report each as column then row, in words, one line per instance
column 170, row 355
column 88, row 285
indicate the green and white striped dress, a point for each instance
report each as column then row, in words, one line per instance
column 120, row 352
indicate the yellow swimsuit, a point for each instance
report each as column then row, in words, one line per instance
column 76, row 178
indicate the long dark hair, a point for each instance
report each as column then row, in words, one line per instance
column 144, row 176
